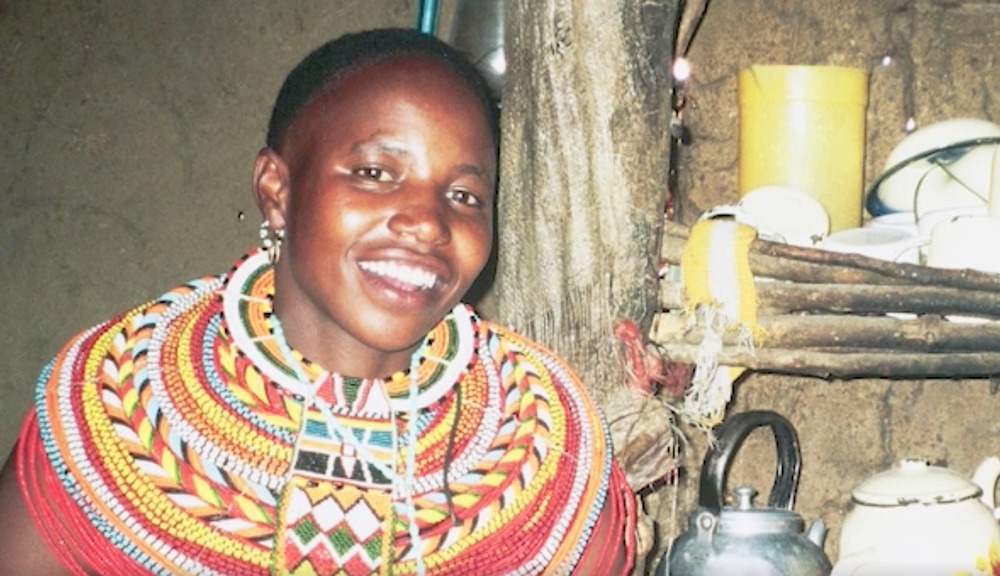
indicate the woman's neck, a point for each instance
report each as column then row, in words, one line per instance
column 332, row 351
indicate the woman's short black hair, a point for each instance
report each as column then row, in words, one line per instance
column 332, row 60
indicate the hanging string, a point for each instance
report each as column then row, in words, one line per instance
column 409, row 481
column 692, row 29
column 449, row 451
column 679, row 73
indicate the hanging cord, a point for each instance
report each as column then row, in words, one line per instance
column 692, row 30
column 679, row 134
column 449, row 452
column 411, row 462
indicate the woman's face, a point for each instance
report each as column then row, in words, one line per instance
column 385, row 187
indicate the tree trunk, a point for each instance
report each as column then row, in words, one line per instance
column 584, row 168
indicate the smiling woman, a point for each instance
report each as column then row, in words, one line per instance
column 385, row 186
column 328, row 406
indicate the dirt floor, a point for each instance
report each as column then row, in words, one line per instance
column 130, row 130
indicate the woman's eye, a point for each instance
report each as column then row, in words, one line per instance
column 373, row 173
column 464, row 197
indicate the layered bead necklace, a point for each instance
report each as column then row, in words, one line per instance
column 349, row 431
column 335, row 429
column 196, row 440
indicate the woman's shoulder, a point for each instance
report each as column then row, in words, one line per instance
column 511, row 348
column 123, row 336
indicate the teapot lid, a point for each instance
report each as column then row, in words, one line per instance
column 745, row 518
column 915, row 481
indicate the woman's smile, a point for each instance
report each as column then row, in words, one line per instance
column 385, row 187
column 402, row 276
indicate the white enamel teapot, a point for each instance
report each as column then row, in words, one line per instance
column 921, row 519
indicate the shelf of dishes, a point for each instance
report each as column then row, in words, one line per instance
column 824, row 313
column 936, row 202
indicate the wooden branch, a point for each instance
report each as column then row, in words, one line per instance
column 779, row 297
column 793, row 270
column 812, row 265
column 931, row 334
column 856, row 364
column 824, row 314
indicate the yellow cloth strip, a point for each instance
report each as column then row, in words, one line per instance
column 719, row 291
column 715, row 269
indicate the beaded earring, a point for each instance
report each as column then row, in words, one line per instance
column 270, row 240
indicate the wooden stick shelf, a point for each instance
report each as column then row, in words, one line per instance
column 838, row 315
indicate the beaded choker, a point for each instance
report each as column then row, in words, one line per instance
column 449, row 348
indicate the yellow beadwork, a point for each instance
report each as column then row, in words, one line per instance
column 492, row 477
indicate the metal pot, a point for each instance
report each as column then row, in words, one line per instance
column 478, row 30
column 745, row 539
column 921, row 519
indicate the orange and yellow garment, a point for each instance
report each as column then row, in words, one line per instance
column 181, row 437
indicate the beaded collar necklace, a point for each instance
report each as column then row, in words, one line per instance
column 436, row 366
column 217, row 403
column 400, row 485
column 336, row 428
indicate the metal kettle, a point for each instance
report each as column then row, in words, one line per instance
column 744, row 539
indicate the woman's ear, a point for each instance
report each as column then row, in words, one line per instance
column 271, row 187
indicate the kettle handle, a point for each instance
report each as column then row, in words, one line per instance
column 729, row 436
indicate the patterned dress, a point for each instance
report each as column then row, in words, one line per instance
column 185, row 437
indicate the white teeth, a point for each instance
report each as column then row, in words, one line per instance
column 420, row 278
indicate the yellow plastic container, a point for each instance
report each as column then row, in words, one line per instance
column 803, row 127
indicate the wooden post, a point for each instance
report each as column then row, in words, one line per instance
column 583, row 186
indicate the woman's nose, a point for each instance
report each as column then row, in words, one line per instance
column 422, row 217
